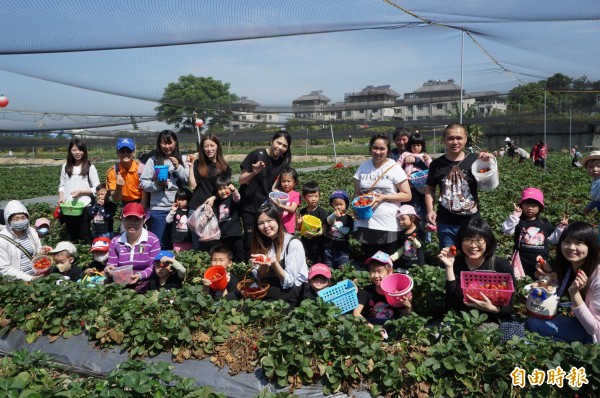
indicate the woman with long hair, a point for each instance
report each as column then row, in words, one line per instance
column 285, row 268
column 163, row 192
column 206, row 170
column 577, row 269
column 78, row 181
column 259, row 171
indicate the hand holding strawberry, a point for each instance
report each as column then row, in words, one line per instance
column 446, row 257
column 260, row 259
column 579, row 282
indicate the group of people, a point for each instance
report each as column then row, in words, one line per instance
column 412, row 195
column 538, row 154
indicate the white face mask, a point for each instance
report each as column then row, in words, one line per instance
column 102, row 258
column 42, row 232
column 64, row 267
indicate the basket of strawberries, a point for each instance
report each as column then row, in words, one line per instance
column 41, row 264
column 251, row 288
column 496, row 286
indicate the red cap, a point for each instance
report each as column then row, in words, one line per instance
column 319, row 269
column 133, row 209
column 100, row 245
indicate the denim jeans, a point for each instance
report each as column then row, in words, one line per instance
column 447, row 234
column 335, row 258
column 560, row 328
column 158, row 225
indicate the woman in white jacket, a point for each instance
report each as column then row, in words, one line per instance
column 19, row 242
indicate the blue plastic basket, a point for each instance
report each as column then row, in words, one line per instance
column 418, row 180
column 343, row 294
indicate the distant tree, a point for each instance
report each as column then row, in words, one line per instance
column 526, row 97
column 204, row 95
column 475, row 131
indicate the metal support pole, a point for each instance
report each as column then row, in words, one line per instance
column 570, row 126
column 545, row 142
column 462, row 55
column 333, row 140
column 306, row 143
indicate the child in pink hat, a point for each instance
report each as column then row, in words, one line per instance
column 319, row 278
column 372, row 304
column 533, row 234
column 410, row 240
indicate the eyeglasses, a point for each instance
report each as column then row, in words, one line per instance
column 477, row 241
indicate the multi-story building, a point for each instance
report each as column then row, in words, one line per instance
column 438, row 99
column 311, row 106
column 245, row 115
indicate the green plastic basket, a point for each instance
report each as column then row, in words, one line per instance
column 71, row 208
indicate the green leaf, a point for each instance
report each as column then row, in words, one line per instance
column 21, row 381
column 267, row 362
column 308, row 372
column 281, row 371
column 461, row 368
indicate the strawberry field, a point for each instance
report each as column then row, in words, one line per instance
column 429, row 353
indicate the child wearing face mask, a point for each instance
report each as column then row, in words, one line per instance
column 42, row 227
column 100, row 252
column 64, row 261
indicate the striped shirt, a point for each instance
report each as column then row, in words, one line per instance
column 141, row 254
column 26, row 265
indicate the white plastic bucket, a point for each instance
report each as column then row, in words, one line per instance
column 488, row 180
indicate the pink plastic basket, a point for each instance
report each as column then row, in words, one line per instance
column 396, row 287
column 472, row 283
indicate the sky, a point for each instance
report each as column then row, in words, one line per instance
column 511, row 43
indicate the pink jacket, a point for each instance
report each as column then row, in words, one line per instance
column 409, row 168
column 589, row 312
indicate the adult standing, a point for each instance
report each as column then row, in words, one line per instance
column 123, row 180
column 78, row 181
column 209, row 167
column 539, row 153
column 458, row 200
column 259, row 171
column 575, row 155
column 19, row 242
column 400, row 137
column 136, row 246
column 162, row 193
column 385, row 180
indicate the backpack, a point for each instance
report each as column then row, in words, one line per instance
column 456, row 196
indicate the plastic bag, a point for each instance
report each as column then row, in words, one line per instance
column 204, row 223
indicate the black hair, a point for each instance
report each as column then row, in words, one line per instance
column 288, row 170
column 399, row 132
column 453, row 126
column 183, row 193
column 310, row 187
column 167, row 136
column 585, row 233
column 225, row 249
column 85, row 162
column 203, row 162
column 287, row 156
column 477, row 227
column 381, row 136
column 222, row 181
column 418, row 139
column 261, row 244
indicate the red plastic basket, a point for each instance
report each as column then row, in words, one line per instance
column 472, row 284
